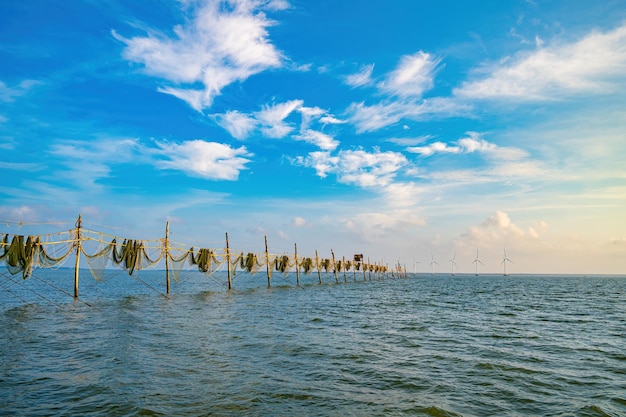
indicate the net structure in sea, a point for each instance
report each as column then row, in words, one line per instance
column 22, row 254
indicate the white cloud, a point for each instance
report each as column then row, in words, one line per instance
column 499, row 229
column 413, row 76
column 433, row 148
column 272, row 118
column 239, row 125
column 361, row 78
column 224, row 42
column 330, row 120
column 272, row 122
column 210, row 160
column 357, row 167
column 299, row 222
column 594, row 64
column 472, row 143
column 308, row 114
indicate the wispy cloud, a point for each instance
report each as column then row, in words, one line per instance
column 410, row 141
column 362, row 77
column 319, row 139
column 413, row 76
column 374, row 117
column 388, row 112
column 9, row 94
column 20, row 166
column 88, row 162
column 373, row 226
column 594, row 64
column 223, row 42
column 209, row 160
column 272, row 122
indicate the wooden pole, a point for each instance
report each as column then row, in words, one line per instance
column 317, row 264
column 267, row 264
column 343, row 265
column 167, row 256
column 335, row 267
column 369, row 273
column 78, row 250
column 230, row 281
column 363, row 266
column 295, row 245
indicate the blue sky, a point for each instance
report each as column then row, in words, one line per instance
column 406, row 130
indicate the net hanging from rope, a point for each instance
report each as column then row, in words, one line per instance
column 131, row 255
column 98, row 261
column 176, row 260
column 54, row 253
column 284, row 263
column 22, row 256
column 206, row 260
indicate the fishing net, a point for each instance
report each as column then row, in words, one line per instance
column 22, row 255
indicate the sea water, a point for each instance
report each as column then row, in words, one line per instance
column 422, row 345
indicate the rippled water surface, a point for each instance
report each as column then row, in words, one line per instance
column 423, row 346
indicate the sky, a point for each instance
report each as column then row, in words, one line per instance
column 411, row 131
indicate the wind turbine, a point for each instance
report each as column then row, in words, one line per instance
column 477, row 261
column 415, row 262
column 453, row 262
column 504, row 261
column 432, row 264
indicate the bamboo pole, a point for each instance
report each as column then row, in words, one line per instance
column 78, row 250
column 335, row 267
column 317, row 264
column 167, row 255
column 230, row 281
column 295, row 245
column 267, row 264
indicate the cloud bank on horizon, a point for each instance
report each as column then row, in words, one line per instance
column 402, row 131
